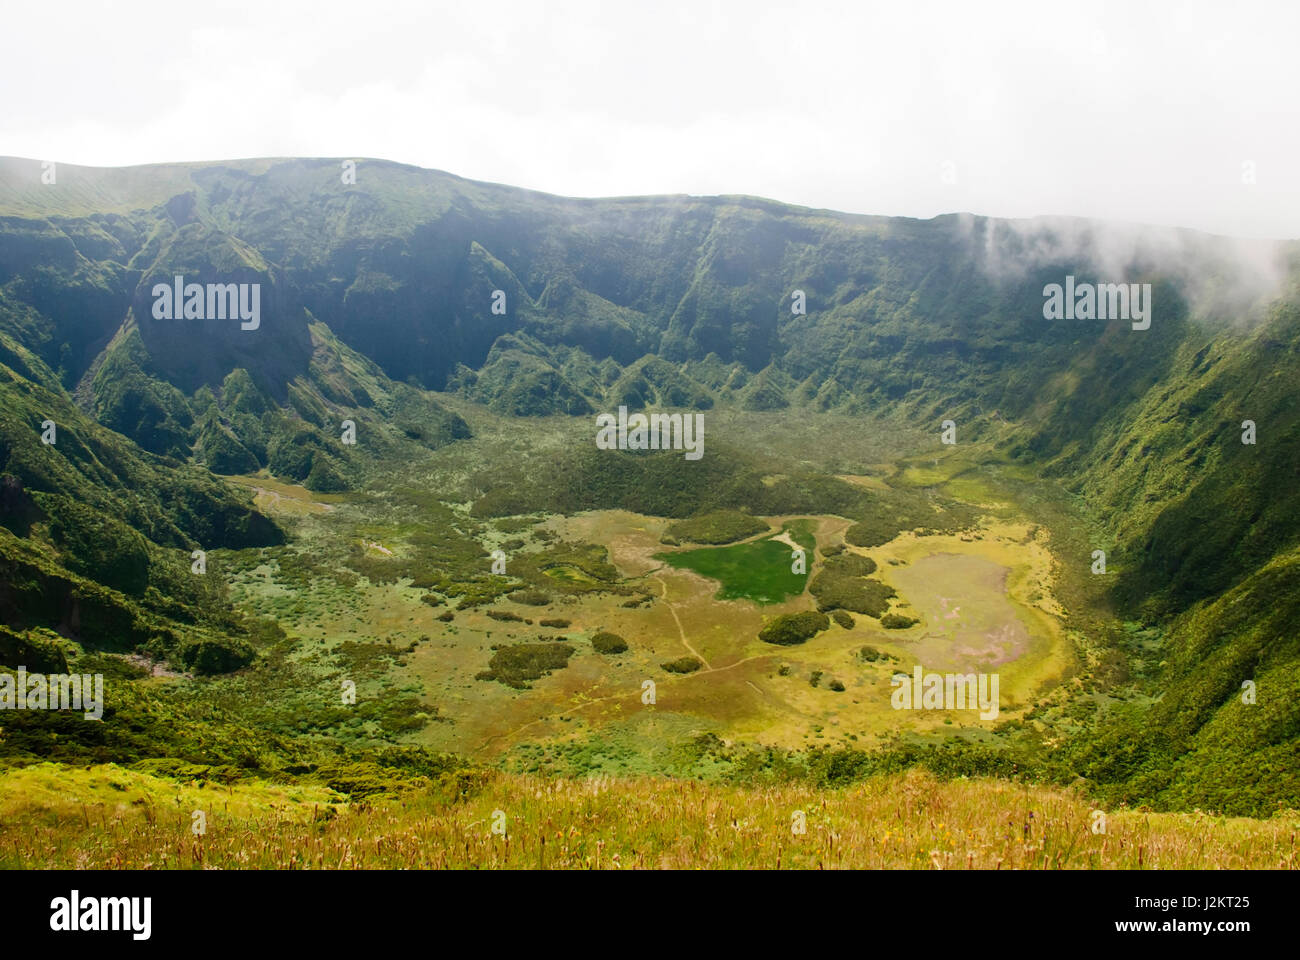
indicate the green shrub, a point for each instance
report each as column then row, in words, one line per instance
column 852, row 565
column 896, row 621
column 787, row 629
column 682, row 665
column 717, row 526
column 843, row 618
column 515, row 664
column 606, row 642
column 842, row 584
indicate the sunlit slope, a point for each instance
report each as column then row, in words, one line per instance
column 381, row 287
column 908, row 821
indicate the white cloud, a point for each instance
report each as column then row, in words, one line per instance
column 1121, row 111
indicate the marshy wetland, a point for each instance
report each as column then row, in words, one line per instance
column 360, row 591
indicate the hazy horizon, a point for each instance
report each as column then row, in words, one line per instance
column 1025, row 219
column 1168, row 115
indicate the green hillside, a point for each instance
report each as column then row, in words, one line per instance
column 465, row 335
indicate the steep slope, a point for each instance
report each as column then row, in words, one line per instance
column 97, row 534
column 408, row 279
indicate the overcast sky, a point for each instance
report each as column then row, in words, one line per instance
column 1155, row 112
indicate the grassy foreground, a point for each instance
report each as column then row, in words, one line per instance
column 54, row 816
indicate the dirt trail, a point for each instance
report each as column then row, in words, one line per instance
column 678, row 620
column 707, row 669
column 680, row 678
column 828, row 529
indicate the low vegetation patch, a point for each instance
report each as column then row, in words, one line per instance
column 606, row 642
column 717, row 526
column 682, row 665
column 788, row 629
column 520, row 662
column 897, row 621
column 843, row 584
column 885, row 516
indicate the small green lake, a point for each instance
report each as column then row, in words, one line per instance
column 756, row 570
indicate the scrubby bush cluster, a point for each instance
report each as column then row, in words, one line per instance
column 788, row 629
column 844, row 584
column 519, row 663
column 608, row 643
column 717, row 526
column 897, row 621
column 682, row 665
